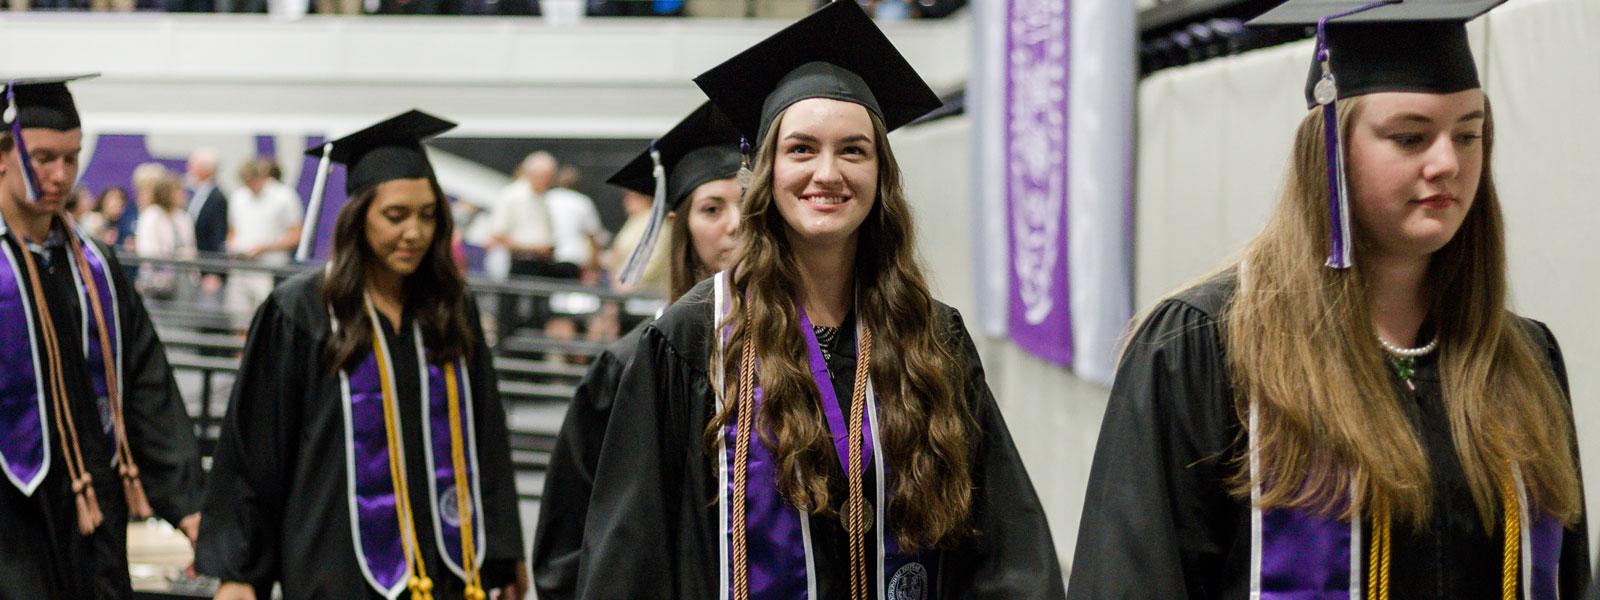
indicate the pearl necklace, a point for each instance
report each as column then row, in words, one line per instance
column 1404, row 360
column 1409, row 352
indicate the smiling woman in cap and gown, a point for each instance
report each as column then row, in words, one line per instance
column 365, row 453
column 691, row 171
column 1350, row 410
column 811, row 423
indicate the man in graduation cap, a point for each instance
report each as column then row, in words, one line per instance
column 93, row 431
column 1349, row 409
column 365, row 451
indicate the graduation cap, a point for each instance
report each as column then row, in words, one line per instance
column 1365, row 47
column 386, row 151
column 836, row 52
column 38, row 103
column 703, row 147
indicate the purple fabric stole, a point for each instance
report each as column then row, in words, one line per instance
column 1299, row 555
column 778, row 543
column 24, row 440
column 379, row 542
column 91, row 333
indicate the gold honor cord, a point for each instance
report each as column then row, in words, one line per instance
column 132, row 488
column 858, row 517
column 1378, row 554
column 458, row 458
column 421, row 587
column 855, row 511
column 88, row 506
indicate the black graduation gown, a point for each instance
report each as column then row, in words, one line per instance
column 42, row 554
column 569, row 481
column 276, row 507
column 652, row 529
column 1159, row 522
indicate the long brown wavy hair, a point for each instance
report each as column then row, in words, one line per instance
column 925, row 424
column 1302, row 354
column 684, row 267
column 435, row 293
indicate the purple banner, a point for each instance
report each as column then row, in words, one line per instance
column 1035, row 141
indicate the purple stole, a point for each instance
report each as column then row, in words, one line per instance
column 24, row 438
column 379, row 542
column 1299, row 555
column 778, row 545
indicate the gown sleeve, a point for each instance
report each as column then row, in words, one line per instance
column 1013, row 555
column 634, row 515
column 569, row 481
column 1574, row 580
column 160, row 432
column 1156, row 519
column 497, row 479
column 243, row 516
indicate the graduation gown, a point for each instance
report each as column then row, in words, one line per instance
column 569, row 481
column 653, row 529
column 277, row 509
column 1159, row 521
column 42, row 555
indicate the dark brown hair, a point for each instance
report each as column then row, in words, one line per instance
column 926, row 425
column 684, row 267
column 435, row 293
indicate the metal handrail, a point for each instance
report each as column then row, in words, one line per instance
column 517, row 284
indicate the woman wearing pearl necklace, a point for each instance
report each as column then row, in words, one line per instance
column 1350, row 409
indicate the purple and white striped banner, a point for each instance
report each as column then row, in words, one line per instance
column 1053, row 97
column 1036, row 148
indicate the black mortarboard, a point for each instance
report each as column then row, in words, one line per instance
column 836, row 52
column 42, row 103
column 1396, row 46
column 703, row 147
column 386, row 151
column 1365, row 47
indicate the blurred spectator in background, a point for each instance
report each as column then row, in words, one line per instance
column 520, row 223
column 579, row 237
column 165, row 231
column 264, row 219
column 111, row 205
column 144, row 181
column 208, row 209
column 654, row 278
column 80, row 205
column 575, row 225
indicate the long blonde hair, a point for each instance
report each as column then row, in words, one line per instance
column 925, row 423
column 1302, row 355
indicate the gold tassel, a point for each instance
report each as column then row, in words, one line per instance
column 133, row 490
column 89, row 516
column 475, row 592
column 421, row 588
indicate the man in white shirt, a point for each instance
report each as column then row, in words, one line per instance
column 545, row 230
column 264, row 220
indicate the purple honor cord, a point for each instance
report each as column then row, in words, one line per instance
column 1339, row 243
column 838, row 424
